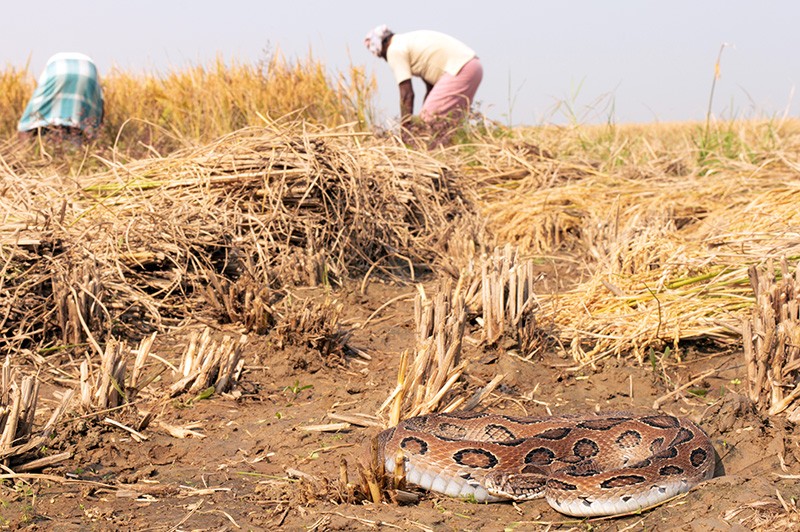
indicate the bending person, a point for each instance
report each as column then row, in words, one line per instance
column 450, row 69
column 68, row 99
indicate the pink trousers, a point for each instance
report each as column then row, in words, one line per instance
column 452, row 95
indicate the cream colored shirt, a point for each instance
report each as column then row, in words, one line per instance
column 426, row 54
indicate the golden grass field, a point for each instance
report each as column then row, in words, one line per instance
column 239, row 259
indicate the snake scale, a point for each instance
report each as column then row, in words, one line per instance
column 589, row 465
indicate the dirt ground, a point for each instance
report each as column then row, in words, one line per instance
column 243, row 474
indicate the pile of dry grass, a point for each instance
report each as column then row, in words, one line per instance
column 665, row 233
column 145, row 244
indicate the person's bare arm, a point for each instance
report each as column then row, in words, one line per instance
column 406, row 101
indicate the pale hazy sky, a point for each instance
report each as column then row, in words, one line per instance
column 631, row 60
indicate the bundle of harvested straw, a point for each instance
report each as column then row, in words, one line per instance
column 506, row 293
column 299, row 190
column 435, row 364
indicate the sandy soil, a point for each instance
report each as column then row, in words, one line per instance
column 235, row 478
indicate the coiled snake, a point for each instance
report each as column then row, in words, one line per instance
column 583, row 465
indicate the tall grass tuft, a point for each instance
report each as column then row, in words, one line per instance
column 16, row 87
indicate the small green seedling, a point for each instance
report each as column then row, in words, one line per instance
column 296, row 388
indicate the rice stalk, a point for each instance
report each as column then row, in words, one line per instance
column 427, row 378
column 104, row 387
column 772, row 339
column 315, row 326
column 208, row 364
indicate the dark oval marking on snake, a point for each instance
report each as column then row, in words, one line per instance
column 585, row 448
column 669, row 452
column 512, row 443
column 558, row 485
column 479, row 458
column 499, row 433
column 698, row 456
column 451, row 431
column 414, row 445
column 602, row 423
column 628, row 439
column 626, row 498
column 682, row 436
column 661, row 422
column 540, row 456
column 558, row 433
column 670, row 470
column 622, row 480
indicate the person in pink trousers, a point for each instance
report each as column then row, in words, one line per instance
column 450, row 69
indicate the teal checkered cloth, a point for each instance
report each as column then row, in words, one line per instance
column 68, row 94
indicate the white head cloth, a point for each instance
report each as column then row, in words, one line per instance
column 374, row 39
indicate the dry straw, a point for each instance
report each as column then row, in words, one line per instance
column 314, row 325
column 664, row 244
column 428, row 378
column 507, row 298
column 230, row 222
